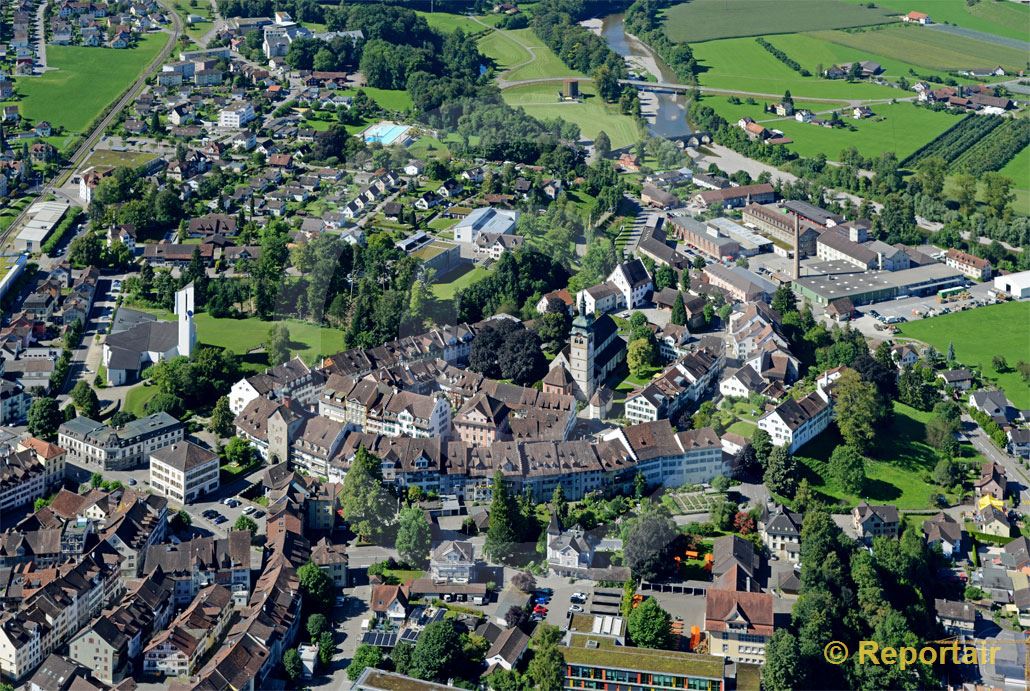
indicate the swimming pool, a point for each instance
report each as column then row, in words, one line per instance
column 386, row 133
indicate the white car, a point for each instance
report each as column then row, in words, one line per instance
column 227, row 501
column 249, row 510
column 575, row 609
column 579, row 596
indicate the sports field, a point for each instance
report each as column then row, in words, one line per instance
column 592, row 114
column 928, row 48
column 519, row 54
column 1009, row 19
column 706, row 20
column 979, row 335
column 85, row 82
column 741, row 64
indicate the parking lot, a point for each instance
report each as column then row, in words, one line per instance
column 912, row 308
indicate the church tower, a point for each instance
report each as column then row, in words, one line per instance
column 184, row 309
column 581, row 353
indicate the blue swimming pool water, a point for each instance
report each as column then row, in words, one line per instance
column 385, row 134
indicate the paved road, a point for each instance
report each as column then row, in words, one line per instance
column 41, row 37
column 982, row 443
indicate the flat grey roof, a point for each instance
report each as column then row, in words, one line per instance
column 833, row 286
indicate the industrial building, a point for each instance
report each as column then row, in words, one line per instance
column 40, row 221
column 865, row 287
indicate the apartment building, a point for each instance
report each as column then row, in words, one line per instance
column 969, row 265
column 293, row 379
column 795, row 423
column 201, row 562
column 236, row 116
column 177, row 650
column 29, row 472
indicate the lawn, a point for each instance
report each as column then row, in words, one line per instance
column 980, row 334
column 1007, row 19
column 900, row 473
column 389, row 99
column 84, row 83
column 591, row 114
column 200, row 8
column 508, row 50
column 935, row 50
column 741, row 64
column 1019, row 170
column 898, row 127
column 463, row 278
column 11, row 211
column 706, row 20
column 137, row 397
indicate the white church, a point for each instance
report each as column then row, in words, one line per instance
column 138, row 339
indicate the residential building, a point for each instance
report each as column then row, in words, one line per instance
column 177, row 650
column 184, row 472
column 969, row 265
column 794, row 423
column 332, row 559
column 389, row 602
column 944, row 531
column 993, row 481
column 685, row 380
column 871, row 521
column 956, row 618
column 292, row 379
column 236, row 116
column 780, row 529
column 732, row 197
column 453, row 562
column 203, row 561
column 739, row 624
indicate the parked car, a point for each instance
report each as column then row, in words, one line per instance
column 227, row 500
column 575, row 608
column 131, row 482
column 537, row 618
column 539, row 609
column 579, row 596
column 259, row 513
column 248, row 510
column 544, row 591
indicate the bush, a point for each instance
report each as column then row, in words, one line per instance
column 59, row 232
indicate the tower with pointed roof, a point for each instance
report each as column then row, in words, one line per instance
column 581, row 352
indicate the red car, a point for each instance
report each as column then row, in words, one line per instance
column 540, row 609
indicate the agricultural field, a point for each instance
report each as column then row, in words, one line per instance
column 707, row 20
column 519, row 54
column 815, row 53
column 935, row 50
column 741, row 64
column 899, row 127
column 1009, row 327
column 1008, row 19
column 1018, row 169
column 900, row 472
column 84, row 83
column 591, row 114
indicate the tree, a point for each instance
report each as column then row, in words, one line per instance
column 930, row 172
column 602, row 145
column 781, row 671
column 85, row 400
column 745, row 462
column 515, row 616
column 524, row 581
column 366, row 503
column 317, row 623
column 679, row 311
column 781, row 472
column 245, row 523
column 553, row 328
column 784, row 301
column 847, row 467
column 278, row 344
column 239, row 452
column 944, row 473
column 437, row 652
column 940, row 434
column 965, row 192
column 95, row 480
column 648, row 543
column 502, row 537
column 121, row 418
column 326, row 648
column 998, row 362
column 315, row 583
column 222, row 420
column 291, row 664
column 649, row 625
column 546, row 670
column 400, row 656
column 44, row 418
column 857, row 410
column 559, row 504
column 763, row 445
column 182, row 520
column 997, row 192
column 521, row 358
column 414, row 537
column 721, row 513
column 641, row 356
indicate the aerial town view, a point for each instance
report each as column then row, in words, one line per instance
column 525, row 345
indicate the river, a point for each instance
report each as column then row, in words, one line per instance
column 666, row 114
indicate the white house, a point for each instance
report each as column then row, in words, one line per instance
column 794, row 423
column 236, row 116
column 485, row 220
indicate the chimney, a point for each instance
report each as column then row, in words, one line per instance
column 797, row 247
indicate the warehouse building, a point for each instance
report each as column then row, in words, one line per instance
column 867, row 287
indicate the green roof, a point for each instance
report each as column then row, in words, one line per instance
column 608, row 654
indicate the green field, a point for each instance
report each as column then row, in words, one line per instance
column 1019, row 170
column 84, row 83
column 592, row 114
column 900, row 473
column 1008, row 19
column 979, row 335
column 741, row 64
column 137, row 397
column 389, row 99
column 457, row 281
column 898, row 127
column 519, row 54
column 200, row 8
column 706, row 20
column 448, row 23
column 928, row 48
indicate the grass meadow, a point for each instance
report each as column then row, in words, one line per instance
column 508, row 50
column 1008, row 19
column 85, row 82
column 979, row 335
column 592, row 114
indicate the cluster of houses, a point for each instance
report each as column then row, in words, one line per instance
column 979, row 98
column 102, row 24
